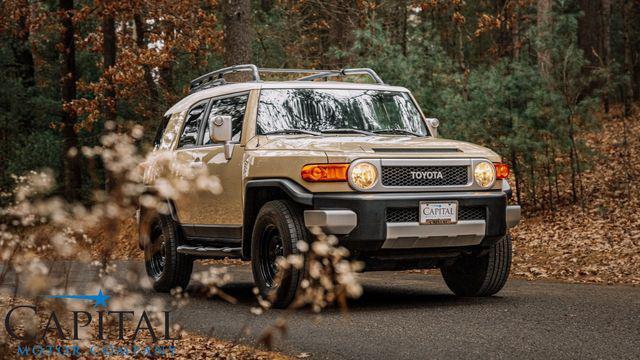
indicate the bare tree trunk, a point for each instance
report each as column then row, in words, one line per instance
column 22, row 49
column 343, row 19
column 166, row 69
column 635, row 68
column 606, row 49
column 594, row 40
column 395, row 18
column 23, row 56
column 236, row 19
column 515, row 34
column 574, row 160
column 532, row 174
column 594, row 28
column 555, row 174
column 109, row 61
column 405, row 16
column 461, row 56
column 516, row 174
column 140, row 30
column 266, row 5
column 627, row 87
column 543, row 21
column 626, row 153
column 549, row 178
column 72, row 165
column 504, row 10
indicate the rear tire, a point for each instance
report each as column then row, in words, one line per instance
column 278, row 228
column 166, row 268
column 482, row 275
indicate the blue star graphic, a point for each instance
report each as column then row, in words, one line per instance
column 100, row 299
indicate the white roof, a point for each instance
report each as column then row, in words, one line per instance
column 186, row 102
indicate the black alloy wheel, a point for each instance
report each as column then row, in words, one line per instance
column 270, row 249
column 277, row 230
column 158, row 253
column 166, row 268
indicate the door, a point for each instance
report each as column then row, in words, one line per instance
column 188, row 156
column 219, row 216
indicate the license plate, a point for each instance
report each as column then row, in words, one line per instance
column 438, row 212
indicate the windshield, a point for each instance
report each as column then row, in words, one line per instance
column 327, row 110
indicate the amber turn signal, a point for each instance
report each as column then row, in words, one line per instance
column 324, row 172
column 502, row 170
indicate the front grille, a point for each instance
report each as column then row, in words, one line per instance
column 472, row 213
column 424, row 175
column 395, row 215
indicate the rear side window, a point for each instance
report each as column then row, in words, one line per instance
column 232, row 106
column 160, row 131
column 192, row 123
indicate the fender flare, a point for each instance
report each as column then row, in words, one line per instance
column 142, row 212
column 290, row 188
column 295, row 191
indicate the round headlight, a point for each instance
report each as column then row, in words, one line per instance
column 484, row 174
column 364, row 175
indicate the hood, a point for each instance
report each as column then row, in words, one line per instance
column 377, row 146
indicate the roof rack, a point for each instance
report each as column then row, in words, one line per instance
column 216, row 78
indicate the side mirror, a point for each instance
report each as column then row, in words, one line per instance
column 220, row 131
column 433, row 124
column 220, row 128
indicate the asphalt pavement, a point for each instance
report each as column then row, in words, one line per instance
column 413, row 316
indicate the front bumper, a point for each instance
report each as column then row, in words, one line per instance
column 360, row 220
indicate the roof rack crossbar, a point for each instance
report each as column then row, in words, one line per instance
column 208, row 79
column 344, row 72
column 291, row 71
column 216, row 78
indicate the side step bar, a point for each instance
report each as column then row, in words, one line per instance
column 210, row 252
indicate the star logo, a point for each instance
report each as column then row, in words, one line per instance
column 100, row 299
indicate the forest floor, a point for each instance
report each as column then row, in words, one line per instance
column 597, row 239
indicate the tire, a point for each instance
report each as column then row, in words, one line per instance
column 277, row 230
column 165, row 267
column 482, row 275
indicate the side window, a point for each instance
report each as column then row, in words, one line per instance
column 192, row 123
column 231, row 106
column 157, row 140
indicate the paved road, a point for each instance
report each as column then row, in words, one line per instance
column 408, row 316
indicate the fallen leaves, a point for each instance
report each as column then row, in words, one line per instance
column 597, row 241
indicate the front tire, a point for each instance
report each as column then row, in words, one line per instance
column 166, row 268
column 278, row 228
column 482, row 275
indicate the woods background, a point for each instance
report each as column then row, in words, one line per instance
column 529, row 78
column 551, row 85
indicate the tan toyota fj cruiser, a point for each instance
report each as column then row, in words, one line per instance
column 359, row 161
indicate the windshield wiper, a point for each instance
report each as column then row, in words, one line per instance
column 292, row 131
column 346, row 130
column 395, row 131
